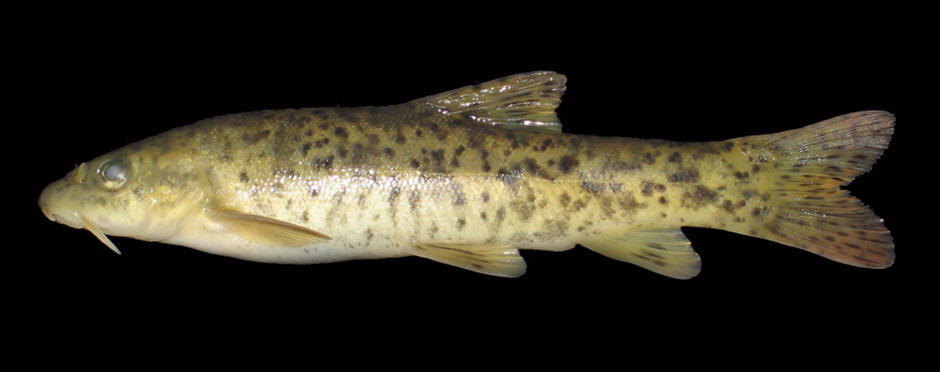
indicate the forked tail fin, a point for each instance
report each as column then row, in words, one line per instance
column 807, row 208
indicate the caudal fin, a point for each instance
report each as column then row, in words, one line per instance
column 807, row 208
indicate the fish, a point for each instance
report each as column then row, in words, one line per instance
column 470, row 177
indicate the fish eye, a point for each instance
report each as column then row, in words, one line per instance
column 113, row 172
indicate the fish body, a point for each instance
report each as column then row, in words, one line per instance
column 468, row 178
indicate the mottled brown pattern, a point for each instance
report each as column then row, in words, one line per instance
column 466, row 166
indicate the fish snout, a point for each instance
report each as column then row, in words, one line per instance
column 45, row 201
column 51, row 206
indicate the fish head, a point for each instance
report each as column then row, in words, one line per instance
column 140, row 191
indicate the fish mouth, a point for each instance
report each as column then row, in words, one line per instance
column 91, row 227
column 49, row 209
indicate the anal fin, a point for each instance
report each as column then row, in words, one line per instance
column 491, row 259
column 663, row 251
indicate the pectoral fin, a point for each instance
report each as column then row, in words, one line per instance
column 263, row 230
column 663, row 251
column 492, row 259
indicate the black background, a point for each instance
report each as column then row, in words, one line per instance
column 92, row 84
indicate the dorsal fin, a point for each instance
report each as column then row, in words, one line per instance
column 522, row 101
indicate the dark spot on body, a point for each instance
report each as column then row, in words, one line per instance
column 461, row 223
column 459, row 197
column 704, row 148
column 592, row 187
column 305, row 217
column 628, row 202
column 483, row 216
column 298, row 120
column 674, row 158
column 545, row 144
column 740, row 175
column 413, row 198
column 243, row 176
column 698, row 197
column 509, row 177
column 305, row 148
column 578, row 205
column 522, row 209
column 393, row 194
column 320, row 113
column 341, row 132
column 433, row 127
column 533, row 167
column 325, row 163
column 575, row 142
column 622, row 166
column 731, row 207
column 615, row 187
column 567, row 164
column 662, row 200
column 755, row 168
column 414, row 163
column 254, row 138
column 516, row 141
column 484, row 155
column 349, row 114
column 485, row 196
column 341, row 151
column 564, row 199
column 388, row 152
column 684, row 176
column 438, row 157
